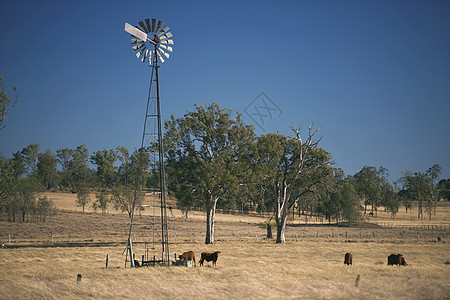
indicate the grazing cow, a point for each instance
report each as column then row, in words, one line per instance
column 348, row 259
column 209, row 257
column 396, row 259
column 188, row 256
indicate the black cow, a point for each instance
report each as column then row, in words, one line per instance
column 209, row 257
column 396, row 259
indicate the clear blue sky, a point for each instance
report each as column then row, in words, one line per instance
column 375, row 75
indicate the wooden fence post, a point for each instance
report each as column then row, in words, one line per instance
column 107, row 260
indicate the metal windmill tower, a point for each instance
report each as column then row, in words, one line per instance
column 151, row 41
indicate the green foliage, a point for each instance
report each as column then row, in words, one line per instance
column 45, row 208
column 64, row 156
column 25, row 195
column 30, row 155
column 47, row 172
column 371, row 184
column 6, row 103
column 126, row 199
column 102, row 200
column 105, row 159
column 83, row 193
column 208, row 155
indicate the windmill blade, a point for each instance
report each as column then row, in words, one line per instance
column 160, row 57
column 137, row 47
column 135, row 32
column 160, row 24
column 144, row 57
column 143, row 26
column 140, row 53
column 163, row 53
column 168, row 48
column 136, row 41
column 150, row 57
column 163, row 30
column 154, row 21
column 166, row 36
column 169, row 42
column 149, row 25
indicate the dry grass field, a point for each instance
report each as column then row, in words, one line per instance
column 309, row 266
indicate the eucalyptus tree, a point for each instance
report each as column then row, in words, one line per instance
column 30, row 155
column 46, row 169
column 78, row 166
column 102, row 200
column 434, row 172
column 106, row 171
column 369, row 183
column 297, row 173
column 83, row 195
column 25, row 194
column 123, row 156
column 6, row 103
column 11, row 172
column 417, row 187
column 125, row 199
column 64, row 156
column 208, row 150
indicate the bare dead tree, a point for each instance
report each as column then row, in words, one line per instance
column 301, row 157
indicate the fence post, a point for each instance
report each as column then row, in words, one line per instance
column 107, row 260
column 296, row 237
column 9, row 238
column 338, row 237
column 51, row 234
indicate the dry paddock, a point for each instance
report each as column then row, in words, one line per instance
column 309, row 266
column 245, row 270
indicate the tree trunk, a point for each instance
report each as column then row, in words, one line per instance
column 281, row 229
column 281, row 218
column 210, row 214
column 419, row 210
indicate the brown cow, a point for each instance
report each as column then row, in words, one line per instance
column 348, row 259
column 189, row 256
column 209, row 257
column 396, row 259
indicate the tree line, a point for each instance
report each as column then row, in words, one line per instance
column 214, row 161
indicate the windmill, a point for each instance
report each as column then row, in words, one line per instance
column 151, row 41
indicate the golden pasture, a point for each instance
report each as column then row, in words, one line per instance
column 309, row 266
